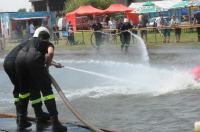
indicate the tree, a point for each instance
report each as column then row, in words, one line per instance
column 74, row 4
column 22, row 10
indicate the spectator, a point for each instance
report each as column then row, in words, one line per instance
column 55, row 33
column 197, row 21
column 143, row 21
column 174, row 23
column 31, row 29
column 71, row 34
column 165, row 31
column 112, row 25
column 157, row 21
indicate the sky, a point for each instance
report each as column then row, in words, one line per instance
column 14, row 5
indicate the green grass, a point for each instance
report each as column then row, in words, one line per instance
column 78, row 37
column 186, row 38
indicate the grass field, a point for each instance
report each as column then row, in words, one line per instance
column 152, row 40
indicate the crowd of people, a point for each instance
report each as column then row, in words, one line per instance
column 162, row 25
column 123, row 28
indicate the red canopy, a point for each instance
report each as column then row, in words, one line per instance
column 117, row 8
column 86, row 10
column 82, row 10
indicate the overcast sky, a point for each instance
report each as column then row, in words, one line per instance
column 14, row 5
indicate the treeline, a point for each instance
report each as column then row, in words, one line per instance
column 74, row 4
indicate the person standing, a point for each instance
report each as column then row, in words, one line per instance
column 143, row 21
column 97, row 27
column 197, row 21
column 70, row 36
column 125, row 34
column 32, row 64
column 55, row 34
column 165, row 30
column 31, row 29
column 113, row 26
column 174, row 23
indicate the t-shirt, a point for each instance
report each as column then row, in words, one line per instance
column 174, row 22
column 143, row 22
column 32, row 28
column 112, row 24
column 157, row 21
column 36, row 49
column 164, row 22
column 97, row 26
column 126, row 26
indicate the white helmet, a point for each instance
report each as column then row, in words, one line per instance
column 40, row 29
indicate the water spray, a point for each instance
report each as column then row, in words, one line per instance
column 96, row 74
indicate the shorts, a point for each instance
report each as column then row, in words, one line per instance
column 166, row 32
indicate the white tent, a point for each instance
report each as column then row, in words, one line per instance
column 165, row 4
column 136, row 5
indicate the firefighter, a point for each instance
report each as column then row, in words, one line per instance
column 32, row 64
column 9, row 67
column 125, row 35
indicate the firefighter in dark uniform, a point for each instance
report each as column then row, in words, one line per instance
column 197, row 21
column 125, row 35
column 97, row 27
column 32, row 64
column 9, row 67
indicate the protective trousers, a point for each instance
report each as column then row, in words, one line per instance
column 41, row 84
column 125, row 39
column 9, row 67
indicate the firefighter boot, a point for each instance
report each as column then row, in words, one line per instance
column 126, row 48
column 42, row 118
column 42, row 123
column 57, row 126
column 23, row 123
column 17, row 111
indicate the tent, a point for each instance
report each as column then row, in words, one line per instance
column 148, row 3
column 181, row 4
column 165, row 4
column 194, row 3
column 148, row 7
column 114, row 8
column 82, row 10
column 86, row 10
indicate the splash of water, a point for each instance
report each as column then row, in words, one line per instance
column 96, row 74
column 130, row 79
column 142, row 46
